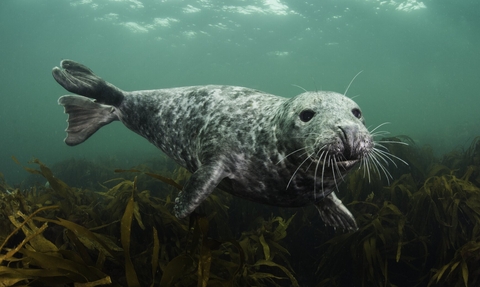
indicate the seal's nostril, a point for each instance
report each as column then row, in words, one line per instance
column 345, row 135
column 343, row 132
column 349, row 136
column 344, row 144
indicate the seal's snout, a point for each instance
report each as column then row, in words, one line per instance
column 355, row 142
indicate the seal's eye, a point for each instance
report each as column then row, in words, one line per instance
column 306, row 115
column 357, row 113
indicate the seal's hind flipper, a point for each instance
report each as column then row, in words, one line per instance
column 85, row 117
column 79, row 79
column 199, row 186
column 335, row 214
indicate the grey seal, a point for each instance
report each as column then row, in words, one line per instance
column 287, row 152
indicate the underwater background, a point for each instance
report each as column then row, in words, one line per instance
column 420, row 66
column 420, row 62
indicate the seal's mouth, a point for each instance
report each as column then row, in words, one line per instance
column 343, row 164
column 347, row 163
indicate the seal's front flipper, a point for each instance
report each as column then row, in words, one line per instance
column 199, row 186
column 85, row 117
column 335, row 214
column 78, row 79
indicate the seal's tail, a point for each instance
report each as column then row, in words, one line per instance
column 94, row 108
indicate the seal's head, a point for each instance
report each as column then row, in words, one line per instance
column 327, row 128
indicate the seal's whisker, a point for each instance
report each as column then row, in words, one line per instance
column 348, row 87
column 382, row 124
column 374, row 163
column 341, row 155
column 385, row 149
column 376, row 152
column 300, row 87
column 322, row 150
column 394, row 142
column 388, row 175
column 376, row 129
column 389, row 156
column 315, row 173
column 379, row 133
column 377, row 144
column 378, row 164
column 335, row 169
column 342, row 177
column 333, row 162
column 293, row 175
column 323, row 173
column 285, row 157
column 310, row 164
column 362, row 165
column 366, row 167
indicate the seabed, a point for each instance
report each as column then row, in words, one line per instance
column 92, row 225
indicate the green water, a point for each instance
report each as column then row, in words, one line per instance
column 420, row 63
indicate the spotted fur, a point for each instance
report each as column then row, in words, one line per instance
column 249, row 143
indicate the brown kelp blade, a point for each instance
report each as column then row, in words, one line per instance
column 164, row 179
column 126, row 225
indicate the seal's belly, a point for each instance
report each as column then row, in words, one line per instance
column 274, row 185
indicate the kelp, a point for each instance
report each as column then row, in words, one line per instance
column 462, row 270
column 422, row 229
column 41, row 261
column 372, row 249
column 121, row 236
column 465, row 161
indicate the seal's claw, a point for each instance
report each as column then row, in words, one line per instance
column 335, row 214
